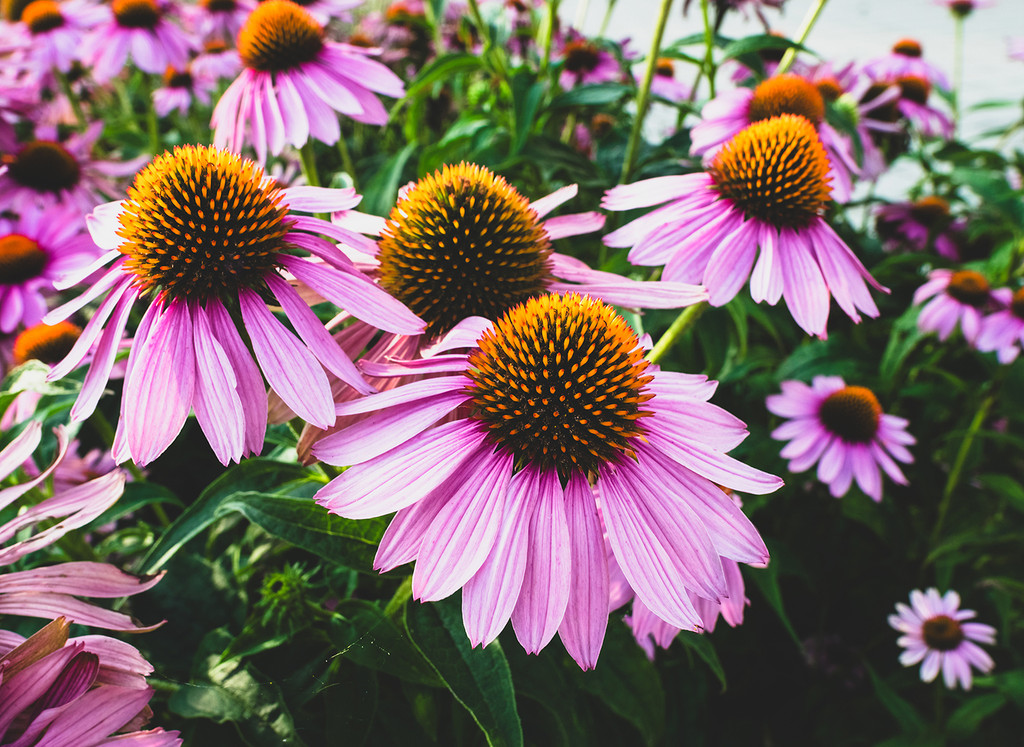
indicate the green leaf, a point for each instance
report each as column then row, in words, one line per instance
column 310, row 526
column 966, row 719
column 478, row 678
column 906, row 716
column 627, row 683
column 136, row 495
column 526, row 96
column 1011, row 685
column 767, row 582
column 382, row 188
column 702, row 646
column 1006, row 487
column 252, row 474
column 443, row 69
column 367, row 637
column 598, row 94
column 238, row 693
column 759, row 43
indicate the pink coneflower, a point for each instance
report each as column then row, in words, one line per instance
column 729, row 113
column 766, row 188
column 1003, row 331
column 462, row 242
column 142, row 30
column 49, row 170
column 913, row 104
column 842, row 429
column 665, row 84
column 201, row 230
column 219, row 20
column 585, row 61
column 906, row 60
column 295, row 81
column 36, row 249
column 216, row 61
column 49, row 591
column 963, row 8
column 934, row 632
column 179, row 89
column 922, row 225
column 52, row 33
column 745, row 6
column 324, row 11
column 85, row 691
column 957, row 296
column 493, row 463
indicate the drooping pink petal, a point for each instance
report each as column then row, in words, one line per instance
column 217, row 404
column 81, row 578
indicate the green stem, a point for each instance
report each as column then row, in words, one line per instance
column 548, row 29
column 958, row 67
column 686, row 319
column 709, row 42
column 607, row 18
column 958, row 464
column 801, row 36
column 308, row 160
column 76, row 105
column 708, row 68
column 402, row 595
column 152, row 126
column 346, row 160
column 435, row 27
column 645, row 91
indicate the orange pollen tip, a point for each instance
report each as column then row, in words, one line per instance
column 787, row 94
column 42, row 15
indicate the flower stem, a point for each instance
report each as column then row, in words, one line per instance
column 76, row 105
column 645, row 90
column 607, row 17
column 708, row 68
column 548, row 30
column 346, row 160
column 801, row 36
column 686, row 319
column 152, row 126
column 308, row 159
column 958, row 67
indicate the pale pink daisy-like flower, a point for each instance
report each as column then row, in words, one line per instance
column 1003, row 330
column 50, row 591
column 766, row 190
column 141, row 30
column 957, row 297
column 842, row 429
column 180, row 88
column 585, row 61
column 906, row 60
column 922, row 225
column 218, row 20
column 48, row 171
column 217, row 61
column 86, row 691
column 665, row 84
column 492, row 466
column 462, row 242
column 51, row 33
column 730, row 112
column 295, row 82
column 36, row 249
column 187, row 352
column 934, row 633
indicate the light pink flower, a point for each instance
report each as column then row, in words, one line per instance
column 665, row 84
column 218, row 20
column 913, row 104
column 906, row 60
column 843, row 430
column 934, row 632
column 139, row 29
column 922, row 225
column 761, row 198
column 36, row 249
column 1003, row 330
column 585, row 61
column 86, row 691
column 295, row 82
column 957, row 296
column 492, row 466
column 51, row 33
column 180, row 88
column 187, row 352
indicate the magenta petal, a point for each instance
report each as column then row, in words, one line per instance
column 586, row 614
column 81, row 578
column 158, row 395
column 545, row 205
column 51, row 606
column 545, row 591
column 321, row 199
column 96, row 715
column 719, row 468
column 463, row 533
column 103, row 360
column 404, row 535
column 293, row 372
column 20, row 449
column 32, row 684
column 490, row 596
column 217, row 404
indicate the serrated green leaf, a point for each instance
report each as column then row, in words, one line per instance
column 478, row 678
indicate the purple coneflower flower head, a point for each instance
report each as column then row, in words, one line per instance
column 913, row 104
column 765, row 189
column 141, row 30
column 934, row 632
column 957, row 296
column 906, row 59
column 585, row 61
column 216, row 61
column 179, row 89
column 462, row 242
column 295, row 82
column 1003, row 330
column 745, row 6
column 842, row 429
column 963, row 8
column 218, row 20
column 49, row 591
column 48, row 171
column 492, row 466
column 85, row 691
column 726, row 115
column 187, row 352
column 665, row 84
column 922, row 225
column 36, row 249
column 52, row 33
